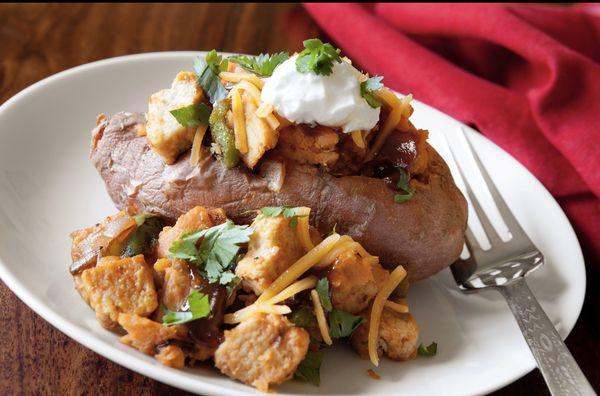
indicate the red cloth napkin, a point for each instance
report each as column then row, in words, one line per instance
column 526, row 76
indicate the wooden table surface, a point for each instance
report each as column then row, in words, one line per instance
column 37, row 40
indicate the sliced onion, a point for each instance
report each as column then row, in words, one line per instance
column 117, row 225
column 105, row 240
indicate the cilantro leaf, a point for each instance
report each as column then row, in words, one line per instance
column 368, row 87
column 303, row 317
column 227, row 277
column 192, row 115
column 208, row 75
column 342, row 324
column 185, row 247
column 272, row 210
column 317, row 57
column 290, row 212
column 199, row 307
column 309, row 369
column 230, row 281
column 430, row 350
column 263, row 64
column 144, row 236
column 404, row 186
column 219, row 248
column 323, row 292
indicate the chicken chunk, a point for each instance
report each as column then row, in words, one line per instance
column 263, row 350
column 145, row 335
column 166, row 135
column 171, row 356
column 273, row 248
column 398, row 335
column 261, row 137
column 315, row 146
column 354, row 281
column 176, row 282
column 197, row 218
column 116, row 286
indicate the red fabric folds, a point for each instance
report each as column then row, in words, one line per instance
column 526, row 76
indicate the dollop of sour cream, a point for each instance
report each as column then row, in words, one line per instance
column 308, row 98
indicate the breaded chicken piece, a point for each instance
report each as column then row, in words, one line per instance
column 167, row 137
column 118, row 285
column 261, row 137
column 315, row 146
column 398, row 335
column 171, row 356
column 263, row 350
column 354, row 281
column 273, row 248
column 197, row 218
column 176, row 282
column 145, row 335
column 176, row 286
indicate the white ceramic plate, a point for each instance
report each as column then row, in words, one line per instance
column 48, row 188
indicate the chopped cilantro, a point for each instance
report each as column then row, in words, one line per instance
column 230, row 281
column 342, row 324
column 317, row 57
column 323, row 291
column 192, row 115
column 219, row 248
column 309, row 369
column 404, row 186
column 368, row 87
column 290, row 212
column 430, row 350
column 303, row 317
column 263, row 64
column 199, row 307
column 208, row 75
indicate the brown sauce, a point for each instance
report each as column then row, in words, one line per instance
column 207, row 331
column 401, row 150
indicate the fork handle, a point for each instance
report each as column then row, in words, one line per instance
column 561, row 373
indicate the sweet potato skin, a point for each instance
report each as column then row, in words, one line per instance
column 425, row 233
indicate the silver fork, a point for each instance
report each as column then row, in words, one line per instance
column 503, row 267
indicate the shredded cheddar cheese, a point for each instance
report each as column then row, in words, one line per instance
column 407, row 109
column 290, row 291
column 239, row 122
column 250, row 88
column 320, row 314
column 197, row 144
column 240, row 76
column 272, row 121
column 294, row 289
column 264, row 110
column 299, row 267
column 242, row 314
column 303, row 229
column 344, row 244
column 394, row 117
column 358, row 139
column 400, row 308
column 396, row 276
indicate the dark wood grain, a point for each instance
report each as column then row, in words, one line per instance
column 37, row 40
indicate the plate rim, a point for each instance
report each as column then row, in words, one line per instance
column 129, row 359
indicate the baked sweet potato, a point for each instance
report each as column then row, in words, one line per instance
column 424, row 233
